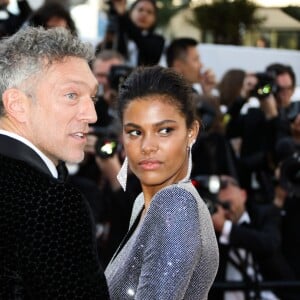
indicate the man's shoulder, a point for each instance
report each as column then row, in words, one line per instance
column 21, row 178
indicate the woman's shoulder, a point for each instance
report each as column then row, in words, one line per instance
column 183, row 188
column 183, row 194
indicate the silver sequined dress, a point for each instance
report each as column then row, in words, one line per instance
column 173, row 252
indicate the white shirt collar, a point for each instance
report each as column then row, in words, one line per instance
column 245, row 218
column 47, row 161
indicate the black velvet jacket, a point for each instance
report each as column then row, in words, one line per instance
column 47, row 243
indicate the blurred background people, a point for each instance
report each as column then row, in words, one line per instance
column 52, row 14
column 10, row 22
column 212, row 153
column 104, row 156
column 182, row 55
column 132, row 32
column 262, row 42
column 249, row 237
column 259, row 127
column 288, row 187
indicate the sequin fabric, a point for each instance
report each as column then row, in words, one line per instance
column 173, row 252
column 47, row 248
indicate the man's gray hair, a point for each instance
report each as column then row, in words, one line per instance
column 31, row 50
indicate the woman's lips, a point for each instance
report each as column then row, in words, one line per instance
column 150, row 164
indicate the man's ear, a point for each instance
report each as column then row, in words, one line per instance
column 177, row 65
column 15, row 102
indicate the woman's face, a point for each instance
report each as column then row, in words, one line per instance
column 156, row 141
column 57, row 22
column 143, row 15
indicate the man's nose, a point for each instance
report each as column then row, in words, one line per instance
column 89, row 112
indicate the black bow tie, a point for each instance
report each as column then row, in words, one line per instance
column 62, row 171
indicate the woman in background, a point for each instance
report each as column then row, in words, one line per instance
column 53, row 14
column 132, row 32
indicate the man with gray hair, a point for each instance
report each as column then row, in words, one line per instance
column 47, row 243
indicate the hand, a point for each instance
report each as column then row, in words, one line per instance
column 219, row 218
column 280, row 195
column 269, row 106
column 91, row 142
column 249, row 83
column 208, row 81
column 119, row 6
column 295, row 127
column 110, row 168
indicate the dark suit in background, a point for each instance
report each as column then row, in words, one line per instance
column 262, row 238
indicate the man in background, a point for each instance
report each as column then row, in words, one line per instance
column 249, row 239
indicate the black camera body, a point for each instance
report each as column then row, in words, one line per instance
column 117, row 75
column 208, row 186
column 265, row 86
column 107, row 144
column 290, row 174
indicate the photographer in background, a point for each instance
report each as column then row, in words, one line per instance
column 104, row 156
column 285, row 83
column 9, row 22
column 107, row 92
column 288, row 191
column 259, row 128
column 212, row 154
column 250, row 244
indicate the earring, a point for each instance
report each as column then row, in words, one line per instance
column 190, row 163
column 122, row 175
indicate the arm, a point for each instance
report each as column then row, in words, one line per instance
column 25, row 10
column 170, row 250
column 263, row 238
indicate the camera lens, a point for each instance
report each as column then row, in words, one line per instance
column 106, row 147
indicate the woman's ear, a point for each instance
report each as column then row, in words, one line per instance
column 193, row 132
column 14, row 102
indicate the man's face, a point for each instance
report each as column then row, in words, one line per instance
column 285, row 89
column 4, row 3
column 61, row 109
column 101, row 71
column 190, row 66
column 236, row 197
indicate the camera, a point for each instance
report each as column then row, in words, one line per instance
column 208, row 186
column 265, row 85
column 290, row 174
column 117, row 75
column 107, row 144
column 207, row 113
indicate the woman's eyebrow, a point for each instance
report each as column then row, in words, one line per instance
column 163, row 122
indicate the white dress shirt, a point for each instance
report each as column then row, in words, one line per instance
column 46, row 160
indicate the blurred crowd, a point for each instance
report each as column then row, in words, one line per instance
column 246, row 160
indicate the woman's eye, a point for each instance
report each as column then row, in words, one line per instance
column 165, row 131
column 134, row 132
column 71, row 96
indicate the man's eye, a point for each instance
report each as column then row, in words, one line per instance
column 71, row 96
column 94, row 99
